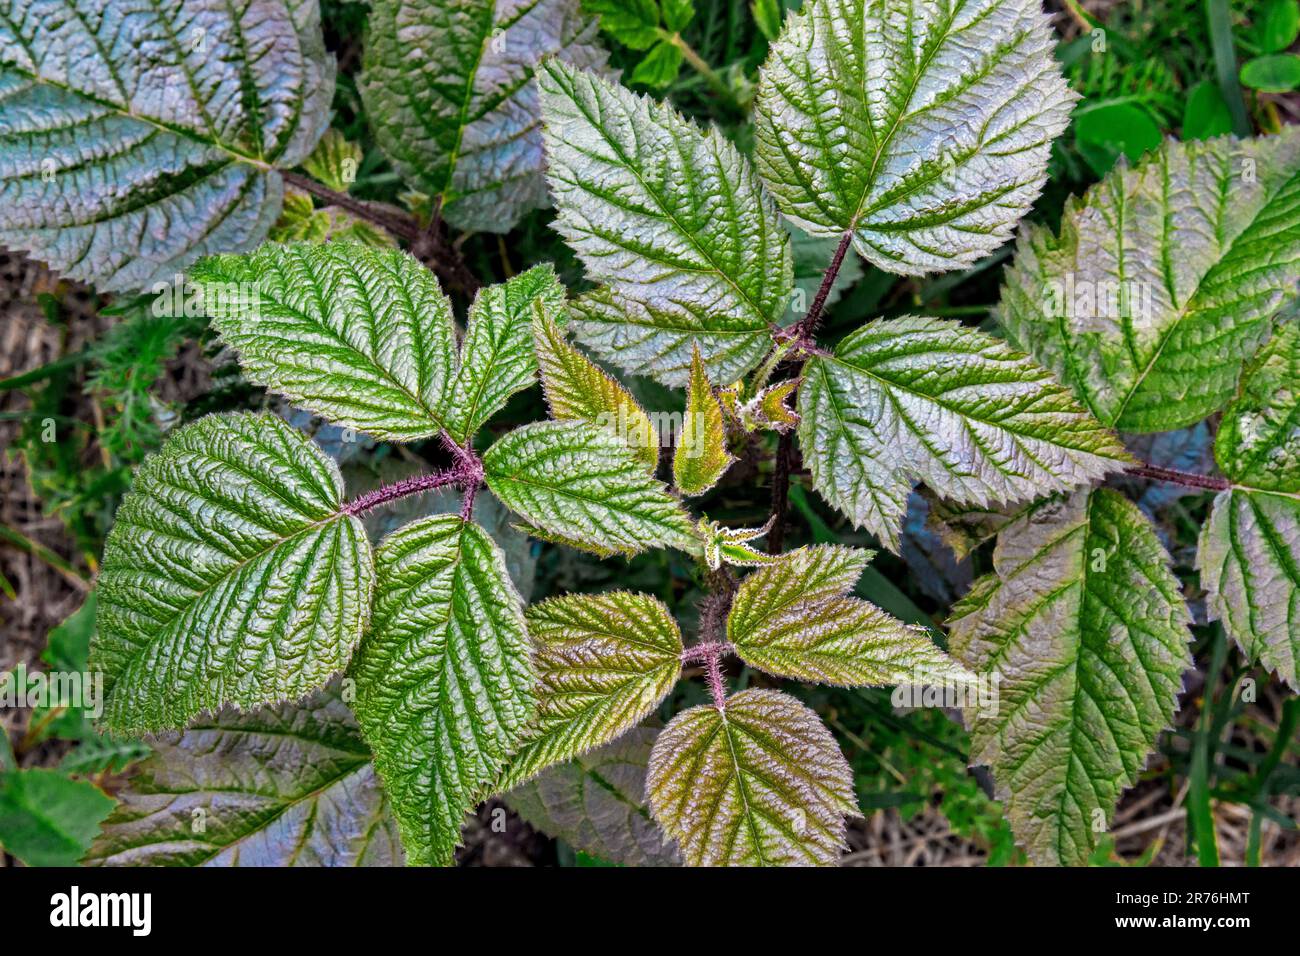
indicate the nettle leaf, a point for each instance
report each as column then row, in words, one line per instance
column 365, row 338
column 448, row 88
column 577, row 389
column 187, row 110
column 604, row 662
column 596, row 803
column 584, row 486
column 673, row 220
column 444, row 679
column 701, row 456
column 289, row 785
column 916, row 399
column 1163, row 280
column 795, row 618
column 1249, row 555
column 760, row 783
column 1085, row 625
column 924, row 128
column 230, row 576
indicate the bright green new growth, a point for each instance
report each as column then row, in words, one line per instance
column 701, row 456
column 1249, row 555
column 759, row 783
column 1085, row 625
column 230, row 576
column 604, row 662
column 444, row 680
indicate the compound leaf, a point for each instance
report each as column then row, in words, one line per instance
column 701, row 457
column 794, row 618
column 577, row 389
column 923, row 127
column 444, row 679
column 759, row 783
column 1163, row 279
column 135, row 140
column 584, row 485
column 604, row 662
column 597, row 803
column 917, row 399
column 1085, row 625
column 673, row 220
column 230, row 576
column 288, row 785
column 1249, row 555
column 448, row 87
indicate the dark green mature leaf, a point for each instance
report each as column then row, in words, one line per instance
column 921, row 126
column 1163, row 279
column 1249, row 555
column 46, row 819
column 230, row 577
column 449, row 91
column 795, row 618
column 584, row 485
column 288, row 785
column 604, row 662
column 444, row 680
column 673, row 220
column 760, row 783
column 136, row 139
column 1085, row 626
column 917, row 399
column 596, row 803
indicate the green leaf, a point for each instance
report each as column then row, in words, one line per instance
column 1163, row 279
column 767, row 16
column 230, row 576
column 301, row 221
column 1106, row 132
column 578, row 390
column 677, row 14
column 360, row 336
column 921, row 126
column 761, row 783
column 334, row 161
column 596, row 803
column 917, row 399
column 673, row 220
column 1276, row 73
column 1206, row 114
column 47, row 819
column 497, row 359
column 136, row 141
column 1085, row 625
column 659, row 67
column 584, row 485
column 795, row 618
column 1276, row 25
column 288, row 785
column 448, row 89
column 604, row 662
column 633, row 23
column 1249, row 555
column 701, row 457
column 444, row 680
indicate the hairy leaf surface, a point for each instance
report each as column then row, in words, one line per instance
column 1163, row 279
column 795, row 618
column 760, row 783
column 577, row 389
column 917, row 399
column 229, row 577
column 1249, row 555
column 1086, row 626
column 672, row 220
column 289, row 785
column 444, row 677
column 583, row 485
column 137, row 137
column 597, row 804
column 448, row 87
column 701, row 456
column 924, row 128
column 604, row 662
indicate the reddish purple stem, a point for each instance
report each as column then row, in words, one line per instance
column 1157, row 473
column 400, row 489
column 711, row 653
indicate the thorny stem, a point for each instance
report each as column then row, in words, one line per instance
column 714, row 608
column 717, row 688
column 1156, row 473
column 780, row 492
column 467, row 473
column 808, row 324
